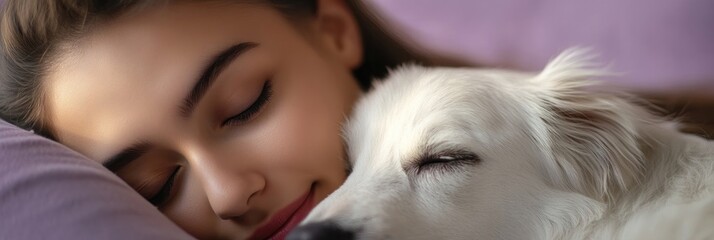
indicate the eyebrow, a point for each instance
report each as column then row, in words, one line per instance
column 126, row 156
column 209, row 74
column 207, row 77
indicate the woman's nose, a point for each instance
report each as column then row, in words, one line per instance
column 229, row 188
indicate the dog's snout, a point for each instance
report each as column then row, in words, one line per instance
column 319, row 231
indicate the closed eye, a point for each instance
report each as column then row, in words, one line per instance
column 164, row 194
column 247, row 114
column 446, row 161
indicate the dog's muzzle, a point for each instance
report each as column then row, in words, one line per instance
column 320, row 231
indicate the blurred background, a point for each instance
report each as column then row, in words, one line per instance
column 658, row 45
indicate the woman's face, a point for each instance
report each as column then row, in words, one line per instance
column 226, row 116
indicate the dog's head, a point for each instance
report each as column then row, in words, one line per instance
column 457, row 153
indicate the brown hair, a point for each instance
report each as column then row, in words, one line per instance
column 34, row 31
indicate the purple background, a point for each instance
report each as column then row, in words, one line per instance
column 657, row 44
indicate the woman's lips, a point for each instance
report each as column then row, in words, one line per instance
column 286, row 219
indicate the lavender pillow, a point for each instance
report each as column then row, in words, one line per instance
column 50, row 192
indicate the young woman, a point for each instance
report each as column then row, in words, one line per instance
column 224, row 114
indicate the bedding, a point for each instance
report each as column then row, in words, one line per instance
column 50, row 192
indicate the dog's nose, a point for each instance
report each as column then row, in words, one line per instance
column 320, row 231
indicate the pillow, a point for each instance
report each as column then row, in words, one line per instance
column 50, row 192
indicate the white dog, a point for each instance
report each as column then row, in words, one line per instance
column 456, row 153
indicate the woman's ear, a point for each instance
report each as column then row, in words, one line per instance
column 339, row 32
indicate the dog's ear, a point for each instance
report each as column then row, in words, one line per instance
column 592, row 136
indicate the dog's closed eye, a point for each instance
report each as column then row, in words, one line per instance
column 446, row 161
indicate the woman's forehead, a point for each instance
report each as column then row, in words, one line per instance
column 140, row 66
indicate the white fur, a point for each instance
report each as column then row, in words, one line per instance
column 560, row 158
